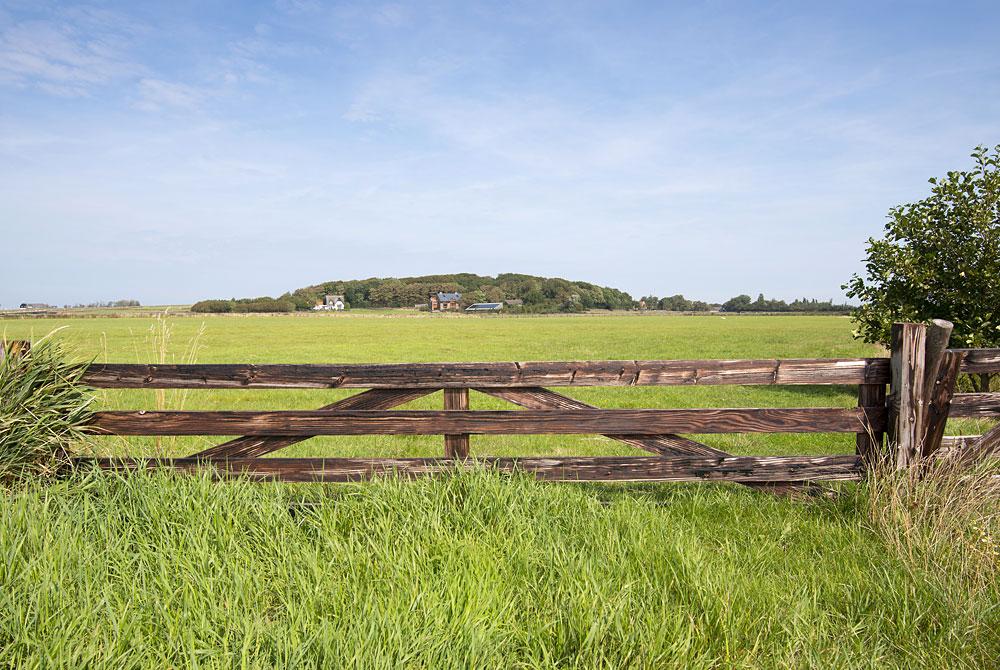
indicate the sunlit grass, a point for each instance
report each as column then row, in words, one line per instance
column 481, row 569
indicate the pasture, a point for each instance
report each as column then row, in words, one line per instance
column 475, row 570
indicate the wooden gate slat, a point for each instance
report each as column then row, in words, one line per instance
column 256, row 445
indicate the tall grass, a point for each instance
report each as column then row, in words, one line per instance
column 471, row 570
column 943, row 521
column 480, row 569
column 42, row 409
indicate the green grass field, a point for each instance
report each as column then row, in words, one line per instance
column 473, row 570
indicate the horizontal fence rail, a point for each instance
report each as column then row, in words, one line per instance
column 903, row 403
column 496, row 422
column 979, row 360
column 742, row 469
column 846, row 371
column 975, row 405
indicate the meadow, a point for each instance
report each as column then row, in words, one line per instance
column 476, row 569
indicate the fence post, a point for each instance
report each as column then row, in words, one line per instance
column 906, row 401
column 939, row 384
column 456, row 446
column 870, row 445
column 14, row 348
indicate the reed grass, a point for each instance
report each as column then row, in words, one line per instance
column 42, row 409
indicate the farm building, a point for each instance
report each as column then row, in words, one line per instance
column 332, row 302
column 34, row 305
column 441, row 302
column 485, row 307
column 514, row 302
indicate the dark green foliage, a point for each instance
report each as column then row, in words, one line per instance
column 939, row 258
column 42, row 408
column 245, row 305
column 540, row 294
column 743, row 303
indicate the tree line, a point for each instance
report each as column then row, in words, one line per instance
column 536, row 294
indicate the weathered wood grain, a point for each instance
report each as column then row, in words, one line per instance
column 743, row 469
column 986, row 446
column 980, row 360
column 666, row 445
column 430, row 422
column 935, row 348
column 908, row 402
column 871, row 398
column 255, row 445
column 940, row 394
column 975, row 405
column 456, row 446
column 493, row 375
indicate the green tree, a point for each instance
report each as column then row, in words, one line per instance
column 939, row 258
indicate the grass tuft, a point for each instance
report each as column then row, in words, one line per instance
column 43, row 406
column 943, row 522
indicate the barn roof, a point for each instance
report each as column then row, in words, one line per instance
column 449, row 297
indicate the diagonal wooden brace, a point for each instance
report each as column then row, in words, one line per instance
column 541, row 398
column 251, row 446
column 664, row 445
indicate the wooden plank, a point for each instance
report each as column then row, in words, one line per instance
column 743, row 469
column 407, row 422
column 975, row 405
column 493, row 375
column 935, row 347
column 871, row 399
column 980, row 360
column 907, row 405
column 940, row 393
column 456, row 446
column 256, row 445
column 667, row 445
column 986, row 446
column 958, row 441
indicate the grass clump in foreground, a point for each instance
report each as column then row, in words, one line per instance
column 42, row 408
column 471, row 570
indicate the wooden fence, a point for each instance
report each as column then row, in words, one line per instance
column 903, row 404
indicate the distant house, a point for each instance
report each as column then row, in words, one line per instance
column 442, row 302
column 514, row 302
column 332, row 302
column 485, row 307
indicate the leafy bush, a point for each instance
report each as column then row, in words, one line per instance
column 43, row 406
column 244, row 305
column 939, row 258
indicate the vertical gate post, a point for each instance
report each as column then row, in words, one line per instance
column 456, row 446
column 940, row 375
column 906, row 401
column 870, row 445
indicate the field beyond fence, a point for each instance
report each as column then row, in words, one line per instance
column 903, row 403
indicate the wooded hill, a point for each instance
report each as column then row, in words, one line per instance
column 538, row 294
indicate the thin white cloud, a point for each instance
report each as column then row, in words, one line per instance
column 155, row 94
column 70, row 54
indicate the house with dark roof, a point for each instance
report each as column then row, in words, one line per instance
column 442, row 302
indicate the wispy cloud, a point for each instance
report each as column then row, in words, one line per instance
column 69, row 54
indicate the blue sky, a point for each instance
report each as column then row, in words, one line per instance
column 184, row 150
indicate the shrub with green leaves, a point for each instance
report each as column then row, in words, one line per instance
column 43, row 406
column 939, row 258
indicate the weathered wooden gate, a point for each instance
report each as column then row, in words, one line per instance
column 920, row 376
